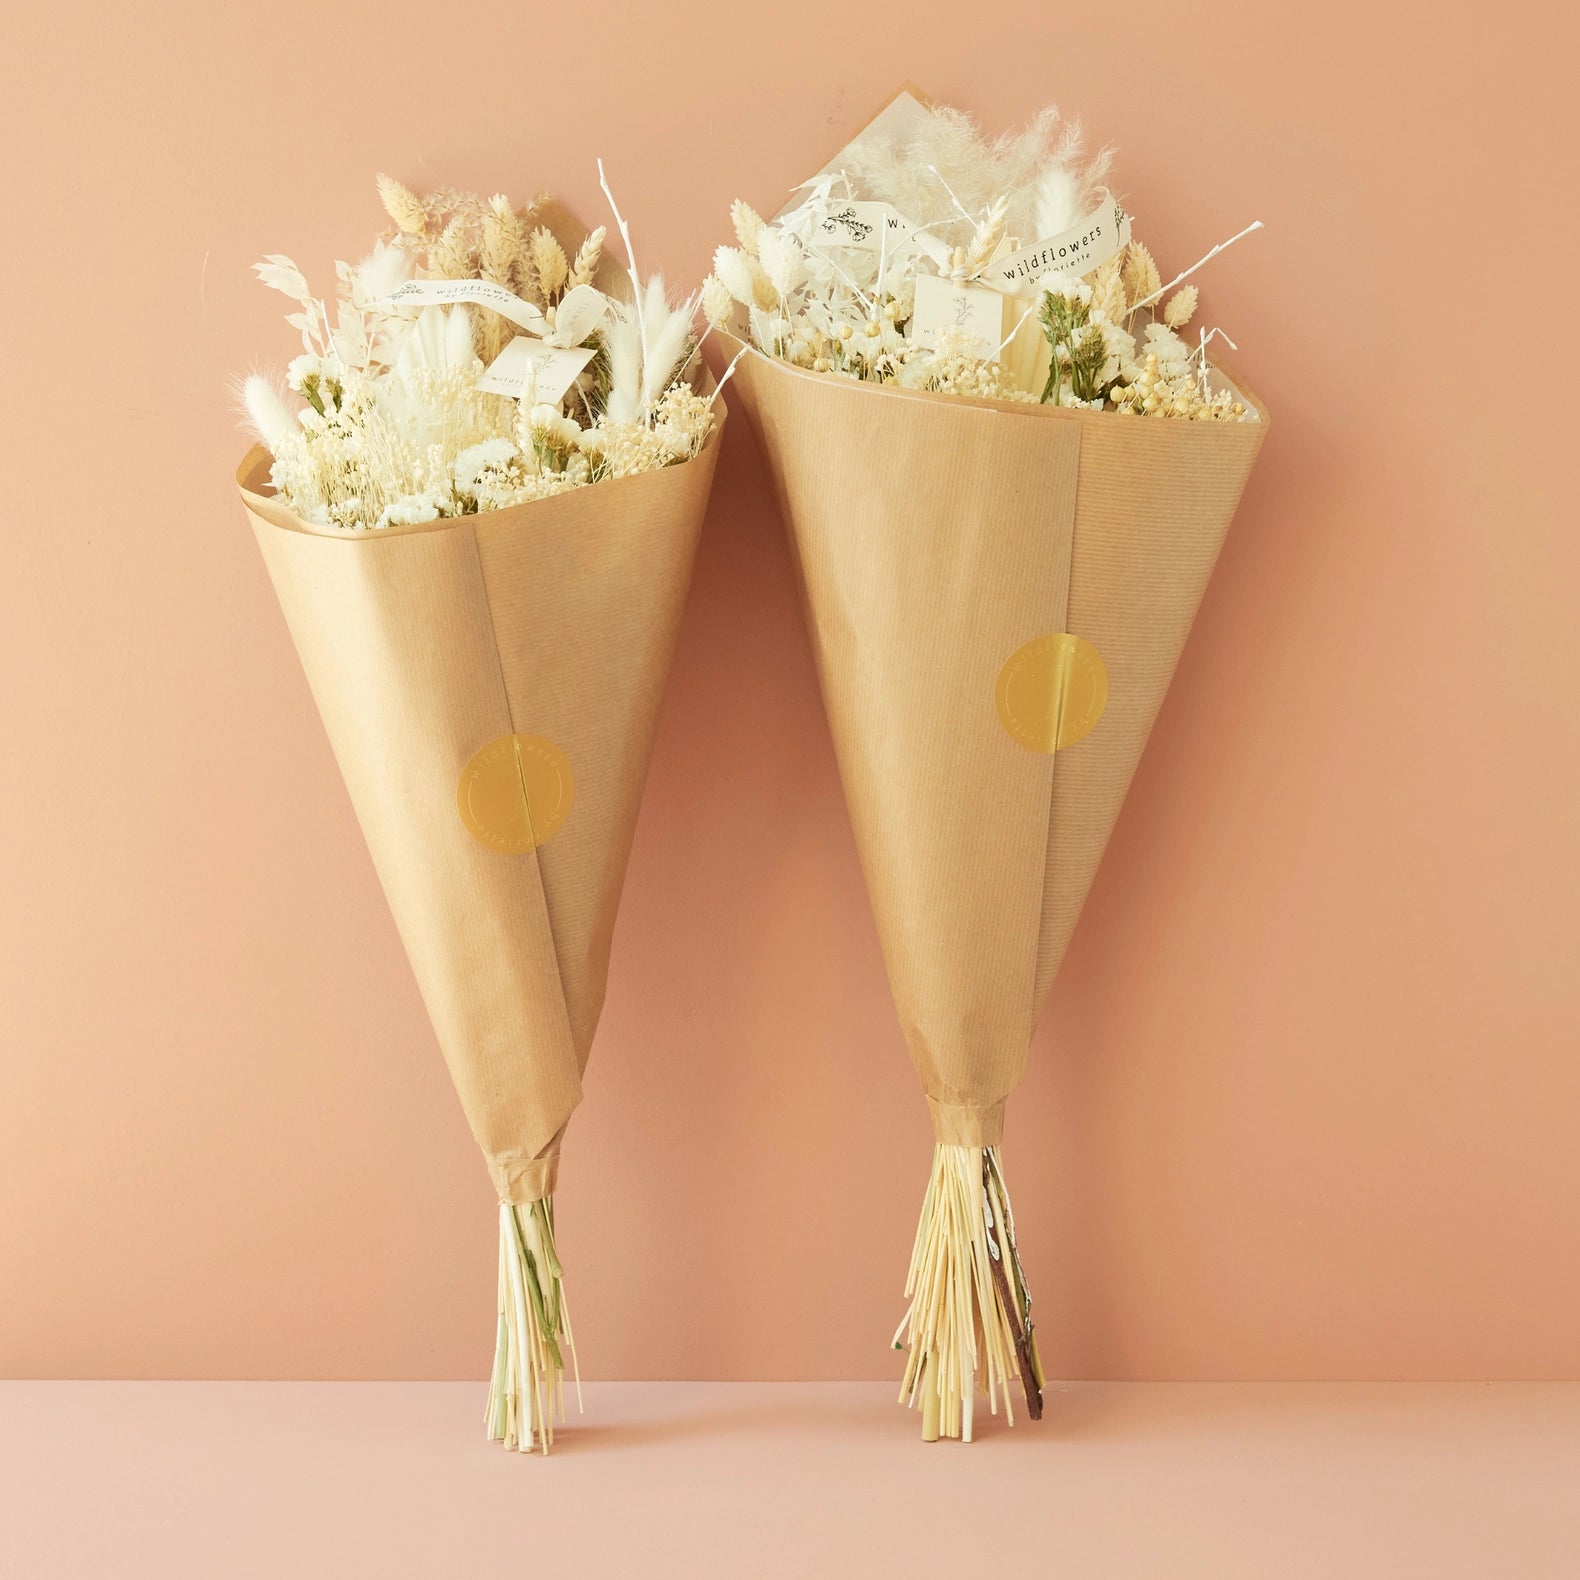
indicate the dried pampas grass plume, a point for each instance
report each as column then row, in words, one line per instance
column 947, row 175
column 1069, row 185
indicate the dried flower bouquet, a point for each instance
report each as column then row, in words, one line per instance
column 399, row 420
column 480, row 520
column 914, row 264
column 936, row 343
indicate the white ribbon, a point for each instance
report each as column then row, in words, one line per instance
column 540, row 365
column 576, row 316
column 1087, row 245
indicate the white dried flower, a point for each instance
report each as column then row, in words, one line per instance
column 718, row 306
column 299, row 371
column 1070, row 286
column 379, row 275
column 551, row 426
column 410, row 509
column 666, row 330
column 1174, row 356
column 743, row 278
column 748, row 225
column 469, row 466
column 1180, row 307
column 1119, row 345
column 782, row 260
column 267, row 414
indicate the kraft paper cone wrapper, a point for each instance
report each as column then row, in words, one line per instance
column 935, row 537
column 423, row 644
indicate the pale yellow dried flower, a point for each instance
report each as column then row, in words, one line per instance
column 587, row 259
column 499, row 254
column 1148, row 390
column 718, row 306
column 501, row 241
column 1108, row 291
column 1140, row 274
column 1180, row 307
column 451, row 258
column 549, row 263
column 985, row 238
column 951, row 367
column 402, row 205
column 744, row 278
column 449, row 203
column 748, row 225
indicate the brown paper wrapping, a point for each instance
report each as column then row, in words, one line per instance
column 934, row 536
column 422, row 644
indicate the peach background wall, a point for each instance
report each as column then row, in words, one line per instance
column 1305, row 1103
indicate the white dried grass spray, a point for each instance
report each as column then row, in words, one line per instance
column 947, row 165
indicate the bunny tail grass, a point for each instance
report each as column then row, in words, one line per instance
column 969, row 1325
column 528, row 1386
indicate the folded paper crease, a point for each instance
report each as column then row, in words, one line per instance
column 934, row 536
column 423, row 644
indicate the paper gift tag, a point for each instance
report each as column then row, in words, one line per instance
column 870, row 227
column 529, row 369
column 975, row 310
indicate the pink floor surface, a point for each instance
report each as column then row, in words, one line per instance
column 1170, row 1481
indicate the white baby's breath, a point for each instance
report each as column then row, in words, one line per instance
column 469, row 466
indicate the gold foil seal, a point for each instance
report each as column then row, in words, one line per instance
column 1051, row 692
column 515, row 793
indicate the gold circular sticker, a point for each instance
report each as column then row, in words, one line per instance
column 1051, row 692
column 515, row 793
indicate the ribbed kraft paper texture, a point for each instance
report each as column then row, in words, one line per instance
column 421, row 645
column 934, row 536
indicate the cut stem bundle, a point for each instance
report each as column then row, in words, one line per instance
column 969, row 1322
column 527, row 1391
